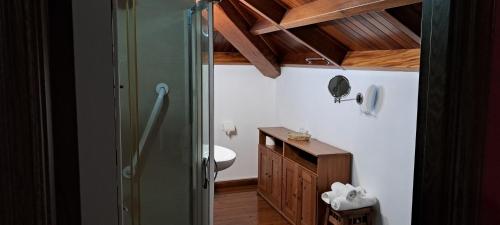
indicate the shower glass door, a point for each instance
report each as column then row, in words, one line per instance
column 164, row 68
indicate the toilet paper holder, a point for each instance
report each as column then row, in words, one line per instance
column 229, row 128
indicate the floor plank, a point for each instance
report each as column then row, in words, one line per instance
column 242, row 206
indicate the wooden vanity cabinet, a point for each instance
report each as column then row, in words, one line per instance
column 269, row 180
column 293, row 174
column 263, row 175
column 290, row 188
column 308, row 198
column 275, row 164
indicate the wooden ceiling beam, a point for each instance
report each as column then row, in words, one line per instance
column 230, row 23
column 395, row 23
column 230, row 58
column 310, row 36
column 325, row 10
column 397, row 60
column 377, row 60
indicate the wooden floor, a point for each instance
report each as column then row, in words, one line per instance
column 242, row 206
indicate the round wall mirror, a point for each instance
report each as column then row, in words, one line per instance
column 339, row 87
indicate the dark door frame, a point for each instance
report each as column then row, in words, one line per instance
column 56, row 88
column 95, row 96
column 25, row 196
column 43, row 129
column 453, row 104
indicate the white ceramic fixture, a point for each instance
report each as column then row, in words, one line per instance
column 224, row 157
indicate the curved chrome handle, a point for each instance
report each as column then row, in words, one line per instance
column 162, row 90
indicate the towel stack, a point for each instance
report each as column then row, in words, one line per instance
column 347, row 197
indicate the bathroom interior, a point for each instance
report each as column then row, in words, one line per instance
column 343, row 75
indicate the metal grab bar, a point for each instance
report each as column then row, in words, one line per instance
column 162, row 90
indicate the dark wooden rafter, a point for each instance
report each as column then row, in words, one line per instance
column 369, row 35
column 231, row 24
column 310, row 36
column 324, row 10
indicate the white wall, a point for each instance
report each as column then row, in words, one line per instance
column 247, row 98
column 382, row 146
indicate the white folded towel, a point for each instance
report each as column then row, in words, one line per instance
column 326, row 197
column 338, row 189
column 341, row 203
column 329, row 196
column 360, row 192
column 350, row 192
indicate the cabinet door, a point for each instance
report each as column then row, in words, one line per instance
column 263, row 175
column 290, row 189
column 308, row 198
column 275, row 171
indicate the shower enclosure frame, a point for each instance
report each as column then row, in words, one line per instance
column 199, row 57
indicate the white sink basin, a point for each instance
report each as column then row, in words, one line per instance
column 224, row 157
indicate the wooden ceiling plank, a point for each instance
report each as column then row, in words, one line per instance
column 390, row 37
column 293, row 3
column 263, row 27
column 321, row 43
column 271, row 9
column 284, row 44
column 310, row 36
column 337, row 30
column 385, row 35
column 325, row 10
column 410, row 16
column 230, row 58
column 231, row 25
column 401, row 27
column 354, row 32
column 379, row 19
column 397, row 60
column 249, row 18
column 369, row 34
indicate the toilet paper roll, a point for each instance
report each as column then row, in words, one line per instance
column 229, row 127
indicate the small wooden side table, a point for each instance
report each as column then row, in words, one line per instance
column 363, row 216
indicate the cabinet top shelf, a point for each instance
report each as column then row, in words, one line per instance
column 313, row 147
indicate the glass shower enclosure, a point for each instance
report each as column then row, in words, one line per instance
column 164, row 66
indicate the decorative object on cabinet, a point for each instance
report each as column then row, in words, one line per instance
column 299, row 136
column 293, row 173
